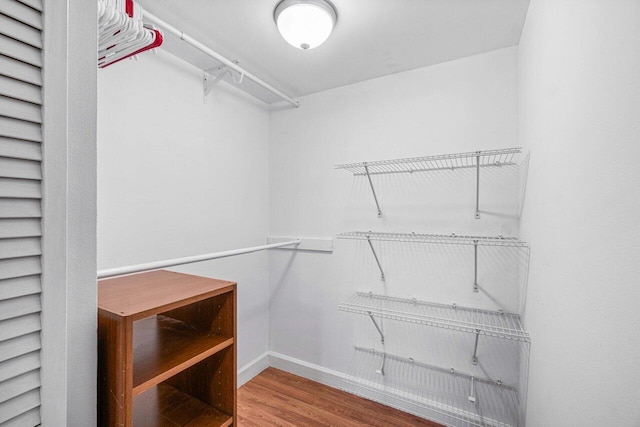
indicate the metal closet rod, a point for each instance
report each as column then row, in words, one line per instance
column 157, row 265
column 215, row 55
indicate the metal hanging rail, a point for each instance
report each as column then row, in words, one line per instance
column 157, row 265
column 215, row 55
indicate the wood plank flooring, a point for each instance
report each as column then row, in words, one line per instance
column 277, row 398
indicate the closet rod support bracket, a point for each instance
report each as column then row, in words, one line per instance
column 210, row 80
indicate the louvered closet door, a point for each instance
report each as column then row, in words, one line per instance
column 20, row 211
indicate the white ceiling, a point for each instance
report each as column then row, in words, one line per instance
column 372, row 38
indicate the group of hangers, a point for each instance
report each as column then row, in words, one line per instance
column 122, row 33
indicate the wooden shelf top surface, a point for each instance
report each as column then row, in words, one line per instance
column 165, row 406
column 146, row 294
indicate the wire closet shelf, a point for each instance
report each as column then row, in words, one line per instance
column 447, row 396
column 498, row 324
column 449, row 239
column 472, row 159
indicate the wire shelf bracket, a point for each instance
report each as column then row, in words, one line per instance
column 379, row 371
column 375, row 323
column 477, row 215
column 472, row 394
column 375, row 255
column 474, row 359
column 473, row 159
column 475, row 266
column 373, row 190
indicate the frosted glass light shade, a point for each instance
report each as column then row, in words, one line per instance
column 305, row 24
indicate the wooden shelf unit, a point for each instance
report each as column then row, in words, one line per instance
column 167, row 351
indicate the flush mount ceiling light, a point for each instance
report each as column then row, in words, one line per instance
column 305, row 24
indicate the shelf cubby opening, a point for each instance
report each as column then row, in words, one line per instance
column 164, row 345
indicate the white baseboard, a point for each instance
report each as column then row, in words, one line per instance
column 253, row 368
column 307, row 370
column 292, row 365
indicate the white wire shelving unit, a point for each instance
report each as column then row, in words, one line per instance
column 442, row 162
column 174, row 262
column 443, row 239
column 446, row 396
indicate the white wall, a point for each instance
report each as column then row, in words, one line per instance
column 464, row 105
column 178, row 177
column 579, row 108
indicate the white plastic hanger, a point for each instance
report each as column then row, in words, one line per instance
column 121, row 35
